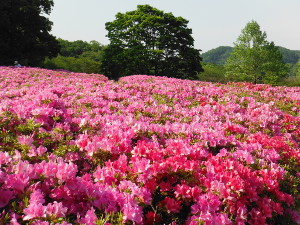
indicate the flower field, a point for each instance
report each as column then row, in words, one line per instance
column 82, row 149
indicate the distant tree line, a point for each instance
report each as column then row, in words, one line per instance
column 77, row 56
column 215, row 60
column 220, row 54
column 142, row 41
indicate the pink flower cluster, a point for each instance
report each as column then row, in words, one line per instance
column 81, row 149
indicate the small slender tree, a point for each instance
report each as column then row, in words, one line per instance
column 149, row 41
column 254, row 59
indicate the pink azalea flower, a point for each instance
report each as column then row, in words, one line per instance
column 32, row 152
column 14, row 219
column 37, row 197
column 41, row 150
column 65, row 171
column 17, row 182
column 17, row 155
column 172, row 205
column 56, row 209
column 34, row 211
column 4, row 158
column 39, row 222
column 90, row 217
column 5, row 197
column 82, row 141
column 25, row 140
column 132, row 213
column 106, row 175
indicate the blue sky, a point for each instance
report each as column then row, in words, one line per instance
column 214, row 22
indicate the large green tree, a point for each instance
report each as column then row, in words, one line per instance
column 25, row 31
column 254, row 59
column 149, row 41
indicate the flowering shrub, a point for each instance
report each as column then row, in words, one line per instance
column 81, row 149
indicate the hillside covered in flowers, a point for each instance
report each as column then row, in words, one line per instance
column 81, row 149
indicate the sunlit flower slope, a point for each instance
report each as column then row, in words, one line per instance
column 81, row 149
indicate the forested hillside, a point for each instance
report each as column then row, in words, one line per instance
column 217, row 55
column 220, row 54
column 290, row 56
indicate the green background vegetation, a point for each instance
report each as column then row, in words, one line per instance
column 214, row 61
column 29, row 41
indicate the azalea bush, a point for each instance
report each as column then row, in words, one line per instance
column 81, row 149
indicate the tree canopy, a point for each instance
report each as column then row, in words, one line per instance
column 25, row 31
column 149, row 41
column 254, row 59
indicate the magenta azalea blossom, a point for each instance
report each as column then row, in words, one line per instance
column 78, row 148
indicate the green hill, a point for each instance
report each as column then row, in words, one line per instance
column 290, row 56
column 217, row 55
column 220, row 54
